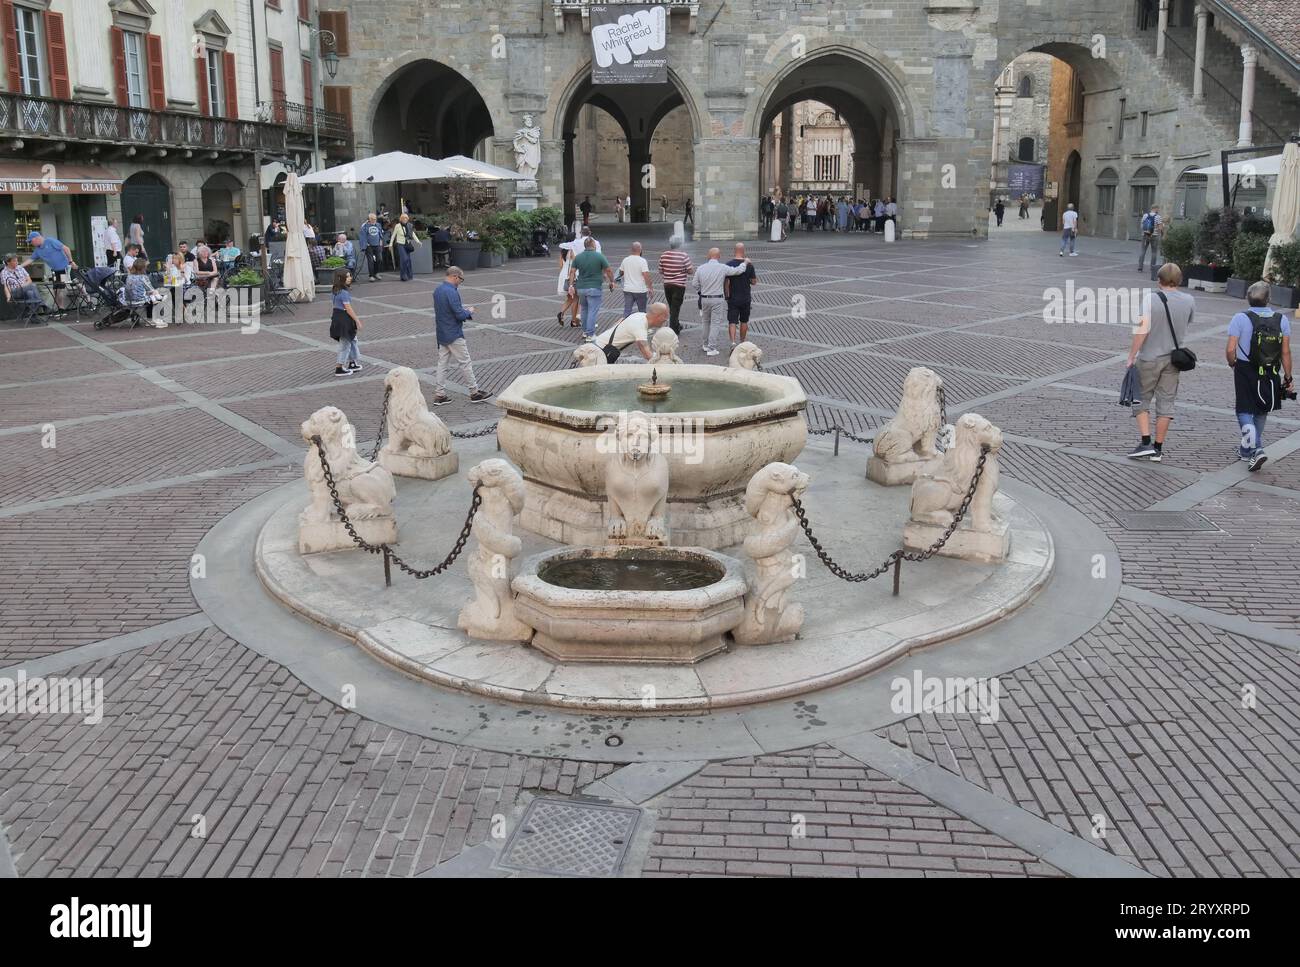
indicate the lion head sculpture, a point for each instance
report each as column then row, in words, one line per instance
column 411, row 427
column 746, row 355
column 498, row 476
column 918, row 421
column 972, row 435
column 589, row 354
column 333, row 428
column 635, row 436
column 664, row 343
column 780, row 479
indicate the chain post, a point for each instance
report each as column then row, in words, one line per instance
column 898, row 567
column 388, row 570
column 383, row 424
column 837, row 441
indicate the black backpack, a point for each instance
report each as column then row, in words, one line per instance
column 1265, row 343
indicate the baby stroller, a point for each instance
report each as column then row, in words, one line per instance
column 98, row 282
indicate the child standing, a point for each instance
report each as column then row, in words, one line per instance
column 344, row 325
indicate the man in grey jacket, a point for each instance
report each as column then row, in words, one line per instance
column 708, row 282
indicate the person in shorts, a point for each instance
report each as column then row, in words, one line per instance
column 1152, row 346
column 58, row 261
column 737, row 290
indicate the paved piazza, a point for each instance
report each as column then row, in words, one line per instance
column 1146, row 722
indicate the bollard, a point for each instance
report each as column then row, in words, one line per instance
column 898, row 567
column 388, row 571
column 837, row 441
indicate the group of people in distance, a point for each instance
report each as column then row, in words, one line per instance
column 825, row 213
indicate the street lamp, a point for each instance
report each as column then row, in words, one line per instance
column 320, row 35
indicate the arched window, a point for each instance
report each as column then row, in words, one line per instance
column 1026, row 149
column 1026, row 87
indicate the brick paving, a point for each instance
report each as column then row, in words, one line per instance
column 1140, row 721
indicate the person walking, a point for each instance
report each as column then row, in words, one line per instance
column 403, row 243
column 344, row 324
column 1153, row 230
column 1167, row 314
column 634, row 272
column 112, row 243
column 737, row 290
column 782, row 213
column 675, row 270
column 618, row 208
column 585, row 274
column 689, row 217
column 371, row 237
column 891, row 213
column 810, row 213
column 1024, row 206
column 1070, row 229
column 58, row 262
column 1259, row 352
column 585, row 208
column 708, row 282
column 450, row 315
column 879, row 212
column 999, row 210
column 136, row 234
column 634, row 329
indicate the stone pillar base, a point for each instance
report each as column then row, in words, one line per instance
column 894, row 473
column 423, row 468
column 985, row 547
column 331, row 535
column 569, row 519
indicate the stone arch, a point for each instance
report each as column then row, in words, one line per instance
column 487, row 89
column 577, row 91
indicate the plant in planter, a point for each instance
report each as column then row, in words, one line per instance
column 513, row 229
column 245, row 289
column 1248, row 254
column 1284, row 276
column 469, row 206
column 1257, row 224
column 1215, row 235
column 334, row 262
column 1179, row 246
column 244, row 279
column 493, row 252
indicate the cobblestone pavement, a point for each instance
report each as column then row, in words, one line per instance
column 1162, row 742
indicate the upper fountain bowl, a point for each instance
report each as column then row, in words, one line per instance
column 717, row 428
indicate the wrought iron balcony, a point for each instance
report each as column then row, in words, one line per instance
column 330, row 125
column 46, row 118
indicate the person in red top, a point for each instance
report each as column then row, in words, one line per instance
column 675, row 270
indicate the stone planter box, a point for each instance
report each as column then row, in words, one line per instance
column 490, row 260
column 1207, row 278
column 1284, row 296
column 465, row 254
column 662, row 627
column 1237, row 287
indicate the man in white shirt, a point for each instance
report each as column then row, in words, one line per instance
column 638, row 328
column 708, row 282
column 112, row 242
column 635, row 272
column 1071, row 222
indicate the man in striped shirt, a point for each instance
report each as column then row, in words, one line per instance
column 675, row 270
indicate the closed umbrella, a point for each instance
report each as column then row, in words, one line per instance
column 1286, row 201
column 298, row 274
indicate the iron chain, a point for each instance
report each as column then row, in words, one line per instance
column 383, row 423
column 386, row 549
column 899, row 555
column 474, row 433
column 826, row 430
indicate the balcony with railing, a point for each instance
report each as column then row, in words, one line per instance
column 330, row 125
column 45, row 118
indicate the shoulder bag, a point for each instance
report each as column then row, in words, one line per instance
column 1182, row 359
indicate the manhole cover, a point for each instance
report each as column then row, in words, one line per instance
column 1165, row 520
column 565, row 838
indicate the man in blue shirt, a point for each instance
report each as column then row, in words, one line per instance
column 450, row 316
column 1259, row 352
column 371, row 237
column 57, row 258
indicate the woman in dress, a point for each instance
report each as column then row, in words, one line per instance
column 568, row 251
column 135, row 234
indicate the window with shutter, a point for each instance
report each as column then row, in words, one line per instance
column 308, row 84
column 157, row 75
column 232, row 86
column 133, row 47
column 277, row 85
column 304, row 9
column 204, row 89
column 338, row 99
column 30, row 54
column 336, row 22
column 56, row 52
column 117, row 42
column 11, row 46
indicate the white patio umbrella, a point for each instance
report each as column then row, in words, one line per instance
column 391, row 166
column 1260, row 167
column 463, row 167
column 1286, row 202
column 298, row 274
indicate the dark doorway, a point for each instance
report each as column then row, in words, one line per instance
column 148, row 195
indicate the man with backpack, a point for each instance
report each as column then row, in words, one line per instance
column 1259, row 352
column 1160, row 354
column 1153, row 229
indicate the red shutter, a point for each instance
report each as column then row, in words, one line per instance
column 232, row 87
column 56, row 55
column 336, row 22
column 118, row 46
column 277, row 85
column 308, row 84
column 157, row 94
column 201, row 71
column 304, row 9
column 338, row 98
column 10, row 28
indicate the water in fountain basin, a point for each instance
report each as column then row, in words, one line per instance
column 630, row 574
column 616, row 395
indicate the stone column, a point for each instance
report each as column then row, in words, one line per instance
column 638, row 156
column 886, row 171
column 726, row 171
column 1249, row 59
column 569, row 200
column 1198, row 80
column 1161, row 29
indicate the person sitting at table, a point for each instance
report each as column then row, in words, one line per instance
column 205, row 267
column 18, row 285
column 316, row 252
column 344, row 249
column 58, row 260
column 185, row 252
column 228, row 253
column 132, row 253
column 139, row 291
column 178, row 273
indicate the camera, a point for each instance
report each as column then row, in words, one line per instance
column 1288, row 390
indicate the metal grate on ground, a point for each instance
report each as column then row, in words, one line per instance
column 558, row 837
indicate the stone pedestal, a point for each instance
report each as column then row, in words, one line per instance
column 569, row 519
column 331, row 535
column 894, row 473
column 424, row 468
column 985, row 547
column 527, row 196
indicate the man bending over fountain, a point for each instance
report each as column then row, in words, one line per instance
column 638, row 328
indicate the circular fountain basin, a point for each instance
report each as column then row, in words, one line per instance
column 718, row 427
column 663, row 605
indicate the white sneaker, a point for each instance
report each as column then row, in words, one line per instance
column 710, row 351
column 1074, row 255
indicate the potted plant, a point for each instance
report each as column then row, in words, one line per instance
column 492, row 253
column 1215, row 235
column 1179, row 244
column 1248, row 254
column 245, row 289
column 1284, row 276
column 325, row 273
column 469, row 204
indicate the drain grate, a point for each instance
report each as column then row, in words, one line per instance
column 1165, row 520
column 564, row 838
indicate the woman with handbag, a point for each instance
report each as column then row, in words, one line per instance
column 403, row 244
column 344, row 325
column 1160, row 354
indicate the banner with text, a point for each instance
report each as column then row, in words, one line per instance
column 628, row 45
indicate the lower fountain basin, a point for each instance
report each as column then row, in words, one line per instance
column 662, row 605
